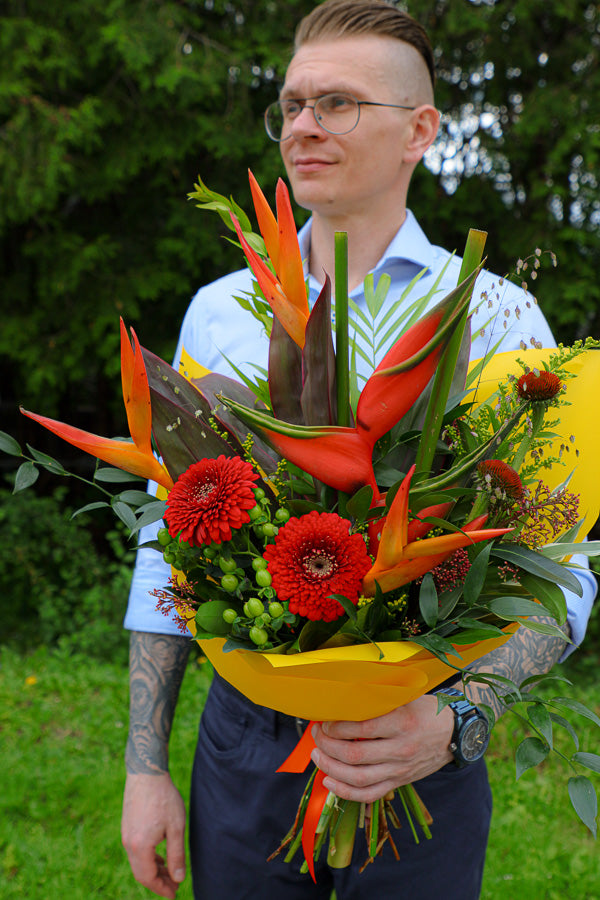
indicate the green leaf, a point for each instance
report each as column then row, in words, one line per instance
column 27, row 474
column 540, row 719
column 48, row 462
column 89, row 507
column 139, row 498
column 589, row 760
column 210, row 617
column 511, row 607
column 584, row 800
column 9, row 445
column 530, row 752
column 125, row 514
column 548, row 593
column 577, row 707
column 558, row 551
column 152, row 513
column 544, row 628
column 359, row 504
column 564, row 723
column 428, row 600
column 536, row 564
column 114, row 476
column 475, row 577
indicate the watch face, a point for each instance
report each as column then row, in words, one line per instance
column 474, row 739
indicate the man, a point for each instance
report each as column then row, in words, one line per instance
column 378, row 63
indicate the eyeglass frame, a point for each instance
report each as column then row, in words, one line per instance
column 304, row 100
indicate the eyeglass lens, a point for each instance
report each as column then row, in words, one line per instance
column 335, row 113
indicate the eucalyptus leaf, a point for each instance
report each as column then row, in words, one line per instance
column 125, row 514
column 530, row 752
column 584, row 800
column 536, row 564
column 428, row 600
column 475, row 577
column 549, row 594
column 89, row 507
column 564, row 723
column 511, row 607
column 27, row 474
column 540, row 719
column 114, row 476
column 578, row 707
column 9, row 445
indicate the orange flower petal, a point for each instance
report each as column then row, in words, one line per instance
column 266, row 220
column 289, row 266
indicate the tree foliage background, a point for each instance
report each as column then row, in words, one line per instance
column 110, row 108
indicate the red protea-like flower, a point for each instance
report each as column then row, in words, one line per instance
column 313, row 557
column 539, row 385
column 500, row 477
column 210, row 499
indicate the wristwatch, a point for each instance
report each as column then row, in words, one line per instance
column 471, row 734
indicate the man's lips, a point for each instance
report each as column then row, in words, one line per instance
column 311, row 164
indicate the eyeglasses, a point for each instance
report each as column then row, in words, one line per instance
column 335, row 113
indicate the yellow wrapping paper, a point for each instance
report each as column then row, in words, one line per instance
column 352, row 683
column 349, row 683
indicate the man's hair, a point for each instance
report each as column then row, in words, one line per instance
column 346, row 18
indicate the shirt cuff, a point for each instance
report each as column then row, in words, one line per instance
column 579, row 608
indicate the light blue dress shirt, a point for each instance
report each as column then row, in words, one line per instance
column 216, row 329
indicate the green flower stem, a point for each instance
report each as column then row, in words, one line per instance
column 374, row 841
column 538, row 411
column 445, row 371
column 342, row 344
column 343, row 834
column 417, row 808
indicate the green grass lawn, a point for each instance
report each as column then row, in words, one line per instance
column 63, row 722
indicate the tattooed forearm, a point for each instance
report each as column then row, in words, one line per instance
column 526, row 653
column 156, row 668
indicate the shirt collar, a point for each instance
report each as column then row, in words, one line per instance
column 409, row 245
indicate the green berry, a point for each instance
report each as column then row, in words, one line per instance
column 263, row 578
column 255, row 513
column 259, row 493
column 230, row 615
column 258, row 635
column 163, row 537
column 169, row 556
column 275, row 609
column 270, row 530
column 210, row 552
column 254, row 607
column 259, row 563
column 282, row 515
column 229, row 583
column 227, row 564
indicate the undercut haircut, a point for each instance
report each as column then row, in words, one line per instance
column 348, row 18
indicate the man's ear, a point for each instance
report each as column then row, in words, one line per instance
column 425, row 124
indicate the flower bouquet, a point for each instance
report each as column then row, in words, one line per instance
column 341, row 546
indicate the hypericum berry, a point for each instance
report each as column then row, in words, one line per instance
column 270, row 530
column 263, row 578
column 168, row 556
column 254, row 607
column 258, row 636
column 229, row 583
column 275, row 609
column 230, row 615
column 259, row 493
column 282, row 515
column 259, row 563
column 227, row 564
column 255, row 513
column 164, row 538
column 210, row 552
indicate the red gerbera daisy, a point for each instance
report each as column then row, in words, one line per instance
column 210, row 499
column 313, row 557
column 538, row 385
column 501, row 477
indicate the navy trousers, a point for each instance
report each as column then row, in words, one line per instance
column 241, row 809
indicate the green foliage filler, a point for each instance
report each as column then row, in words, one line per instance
column 56, row 587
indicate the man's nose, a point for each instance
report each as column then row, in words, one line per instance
column 305, row 124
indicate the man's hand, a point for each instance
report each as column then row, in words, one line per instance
column 365, row 760
column 152, row 812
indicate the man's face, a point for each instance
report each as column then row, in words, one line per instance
column 348, row 174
